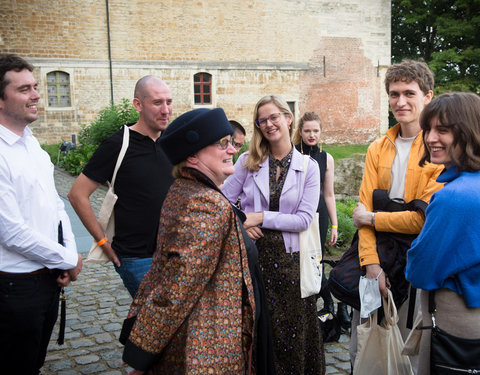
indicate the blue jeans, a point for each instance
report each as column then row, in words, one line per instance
column 131, row 271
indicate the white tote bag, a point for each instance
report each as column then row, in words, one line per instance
column 106, row 218
column 310, row 259
column 310, row 254
column 379, row 347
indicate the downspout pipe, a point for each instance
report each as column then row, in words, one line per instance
column 109, row 54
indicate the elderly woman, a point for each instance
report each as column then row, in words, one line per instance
column 280, row 198
column 194, row 311
column 444, row 260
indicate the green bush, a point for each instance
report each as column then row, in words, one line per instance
column 109, row 121
column 244, row 148
column 346, row 229
column 345, row 222
column 75, row 160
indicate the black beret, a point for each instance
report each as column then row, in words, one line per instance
column 193, row 131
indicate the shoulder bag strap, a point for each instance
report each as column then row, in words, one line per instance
column 431, row 306
column 411, row 306
column 305, row 168
column 123, row 150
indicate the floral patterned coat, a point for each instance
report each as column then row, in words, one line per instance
column 195, row 307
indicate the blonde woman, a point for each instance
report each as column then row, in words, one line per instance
column 280, row 198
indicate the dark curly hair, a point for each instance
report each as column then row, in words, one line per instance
column 411, row 71
column 10, row 62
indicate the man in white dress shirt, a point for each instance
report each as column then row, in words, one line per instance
column 33, row 264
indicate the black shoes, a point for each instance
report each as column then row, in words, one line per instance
column 328, row 305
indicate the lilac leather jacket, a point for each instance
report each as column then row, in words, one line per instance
column 298, row 201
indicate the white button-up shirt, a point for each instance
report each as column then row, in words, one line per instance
column 30, row 208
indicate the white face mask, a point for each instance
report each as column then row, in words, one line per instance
column 370, row 298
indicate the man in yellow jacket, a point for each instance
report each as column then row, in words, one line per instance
column 392, row 164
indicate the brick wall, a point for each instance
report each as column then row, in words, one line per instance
column 327, row 56
column 345, row 92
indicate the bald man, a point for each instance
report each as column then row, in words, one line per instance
column 141, row 184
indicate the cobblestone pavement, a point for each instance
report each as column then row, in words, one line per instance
column 97, row 303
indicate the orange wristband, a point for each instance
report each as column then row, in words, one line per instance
column 102, row 241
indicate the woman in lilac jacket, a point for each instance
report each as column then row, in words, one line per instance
column 280, row 198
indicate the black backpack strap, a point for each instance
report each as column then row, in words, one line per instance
column 411, row 306
column 381, row 202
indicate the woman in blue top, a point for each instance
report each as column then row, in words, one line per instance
column 445, row 257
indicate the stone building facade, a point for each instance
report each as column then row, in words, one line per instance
column 325, row 56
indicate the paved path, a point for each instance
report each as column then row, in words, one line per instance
column 96, row 306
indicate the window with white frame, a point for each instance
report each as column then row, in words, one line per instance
column 58, row 86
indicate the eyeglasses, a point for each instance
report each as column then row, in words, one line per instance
column 274, row 119
column 224, row 142
column 237, row 145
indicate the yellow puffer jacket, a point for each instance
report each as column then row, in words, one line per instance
column 420, row 183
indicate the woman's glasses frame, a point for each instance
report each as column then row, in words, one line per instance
column 274, row 119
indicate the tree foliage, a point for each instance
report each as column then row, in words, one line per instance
column 109, row 120
column 446, row 34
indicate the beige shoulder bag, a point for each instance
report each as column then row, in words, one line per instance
column 106, row 218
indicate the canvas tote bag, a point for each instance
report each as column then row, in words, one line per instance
column 379, row 347
column 105, row 215
column 310, row 253
column 412, row 343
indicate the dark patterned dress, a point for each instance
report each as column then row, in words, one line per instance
column 298, row 346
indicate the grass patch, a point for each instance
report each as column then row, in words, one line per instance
column 336, row 150
column 344, row 151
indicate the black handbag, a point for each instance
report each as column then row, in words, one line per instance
column 451, row 354
column 329, row 325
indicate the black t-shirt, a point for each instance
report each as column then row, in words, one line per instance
column 142, row 183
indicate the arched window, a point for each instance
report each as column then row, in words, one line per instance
column 58, row 86
column 202, row 88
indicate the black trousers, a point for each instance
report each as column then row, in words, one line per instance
column 28, row 312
